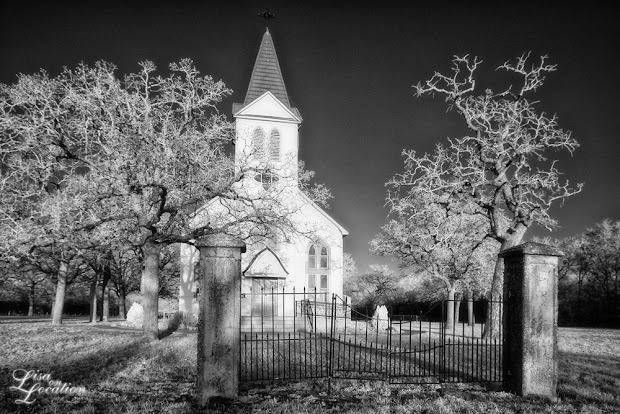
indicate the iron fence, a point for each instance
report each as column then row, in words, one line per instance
column 296, row 336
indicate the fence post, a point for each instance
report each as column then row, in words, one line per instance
column 331, row 338
column 530, row 315
column 219, row 317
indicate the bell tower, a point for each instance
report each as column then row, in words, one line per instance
column 267, row 125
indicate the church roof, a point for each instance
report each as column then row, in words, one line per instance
column 266, row 75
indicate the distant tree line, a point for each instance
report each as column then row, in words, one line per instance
column 588, row 284
column 589, row 276
column 97, row 284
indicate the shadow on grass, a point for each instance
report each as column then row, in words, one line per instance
column 164, row 333
column 74, row 367
column 91, row 367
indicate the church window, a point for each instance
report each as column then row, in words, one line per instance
column 258, row 142
column 318, row 257
column 274, row 145
column 318, row 268
column 312, row 257
column 266, row 179
column 318, row 282
column 323, row 259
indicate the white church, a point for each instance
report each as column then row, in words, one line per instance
column 267, row 130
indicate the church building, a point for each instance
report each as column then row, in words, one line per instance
column 267, row 125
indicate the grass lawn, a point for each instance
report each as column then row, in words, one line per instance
column 119, row 372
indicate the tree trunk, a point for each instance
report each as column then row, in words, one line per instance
column 53, row 296
column 579, row 285
column 493, row 317
column 122, row 297
column 150, row 289
column 471, row 318
column 450, row 311
column 31, row 298
column 107, row 273
column 59, row 300
column 105, row 314
column 492, row 328
column 93, row 299
column 457, row 308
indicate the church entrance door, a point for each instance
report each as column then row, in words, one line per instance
column 263, row 301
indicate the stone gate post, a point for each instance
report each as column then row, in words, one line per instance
column 531, row 318
column 218, row 327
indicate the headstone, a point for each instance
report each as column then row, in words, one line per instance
column 380, row 320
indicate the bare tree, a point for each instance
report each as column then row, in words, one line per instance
column 134, row 160
column 126, row 268
column 99, row 259
column 170, row 273
column 64, row 266
column 375, row 287
column 436, row 240
column 502, row 166
column 349, row 272
column 24, row 277
column 349, row 267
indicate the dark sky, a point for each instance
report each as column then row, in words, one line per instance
column 350, row 70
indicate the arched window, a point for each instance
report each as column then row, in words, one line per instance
column 274, row 145
column 258, row 142
column 317, row 268
column 312, row 257
column 266, row 179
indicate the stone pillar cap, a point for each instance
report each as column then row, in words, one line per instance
column 532, row 248
column 220, row 240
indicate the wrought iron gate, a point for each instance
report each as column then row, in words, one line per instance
column 320, row 336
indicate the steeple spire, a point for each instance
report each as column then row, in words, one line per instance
column 266, row 75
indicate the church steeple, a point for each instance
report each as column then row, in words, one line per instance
column 267, row 127
column 266, row 75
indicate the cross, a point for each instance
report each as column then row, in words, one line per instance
column 266, row 15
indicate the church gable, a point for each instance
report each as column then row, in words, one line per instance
column 316, row 213
column 267, row 106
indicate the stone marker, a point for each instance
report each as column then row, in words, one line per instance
column 380, row 319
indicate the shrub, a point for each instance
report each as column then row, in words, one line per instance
column 135, row 316
column 189, row 320
column 174, row 321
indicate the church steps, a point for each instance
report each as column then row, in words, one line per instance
column 268, row 324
